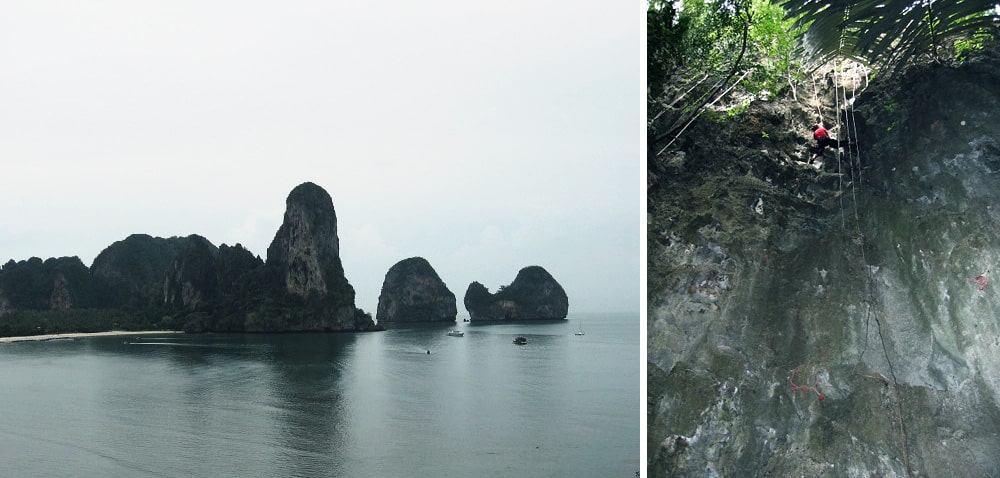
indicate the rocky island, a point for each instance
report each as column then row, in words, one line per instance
column 413, row 292
column 534, row 295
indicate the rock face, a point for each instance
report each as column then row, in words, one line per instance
column 800, row 325
column 413, row 292
column 131, row 271
column 240, row 272
column 305, row 252
column 534, row 295
column 304, row 259
column 61, row 297
column 189, row 283
column 53, row 284
column 193, row 277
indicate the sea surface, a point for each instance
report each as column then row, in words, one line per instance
column 354, row 405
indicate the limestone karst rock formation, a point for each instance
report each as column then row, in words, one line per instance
column 192, row 279
column 131, row 271
column 54, row 284
column 304, row 261
column 413, row 292
column 534, row 295
column 189, row 283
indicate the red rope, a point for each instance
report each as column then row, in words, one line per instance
column 980, row 281
column 805, row 388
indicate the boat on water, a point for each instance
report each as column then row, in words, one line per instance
column 456, row 333
column 520, row 340
column 579, row 331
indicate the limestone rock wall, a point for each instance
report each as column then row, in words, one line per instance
column 194, row 276
column 304, row 258
column 413, row 292
column 52, row 284
column 534, row 295
column 803, row 323
column 132, row 271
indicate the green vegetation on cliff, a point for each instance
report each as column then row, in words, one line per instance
column 189, row 283
column 713, row 57
column 819, row 322
column 534, row 294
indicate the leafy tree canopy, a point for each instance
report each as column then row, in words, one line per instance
column 712, row 55
column 888, row 33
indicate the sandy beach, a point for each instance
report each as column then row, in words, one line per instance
column 29, row 338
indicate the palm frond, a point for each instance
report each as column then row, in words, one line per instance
column 887, row 32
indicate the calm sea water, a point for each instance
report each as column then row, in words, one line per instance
column 357, row 405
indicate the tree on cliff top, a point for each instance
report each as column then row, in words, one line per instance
column 712, row 55
column 716, row 56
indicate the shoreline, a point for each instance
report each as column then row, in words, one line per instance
column 79, row 335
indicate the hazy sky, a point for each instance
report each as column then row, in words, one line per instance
column 482, row 136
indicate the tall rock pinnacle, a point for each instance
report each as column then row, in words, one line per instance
column 304, row 257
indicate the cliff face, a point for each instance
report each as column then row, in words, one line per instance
column 801, row 323
column 240, row 273
column 187, row 282
column 53, row 284
column 534, row 295
column 413, row 292
column 304, row 260
column 305, row 253
column 131, row 271
column 301, row 286
column 193, row 278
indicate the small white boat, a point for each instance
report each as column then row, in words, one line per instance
column 456, row 333
column 580, row 330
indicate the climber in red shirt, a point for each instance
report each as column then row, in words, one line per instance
column 823, row 140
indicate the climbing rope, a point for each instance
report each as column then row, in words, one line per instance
column 805, row 388
column 872, row 310
column 836, row 149
column 816, row 101
column 854, row 151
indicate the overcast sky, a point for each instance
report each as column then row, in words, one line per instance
column 482, row 136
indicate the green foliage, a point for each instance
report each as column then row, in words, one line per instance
column 665, row 32
column 532, row 285
column 477, row 296
column 39, row 322
column 965, row 46
column 776, row 53
column 33, row 283
column 888, row 34
column 889, row 106
column 708, row 56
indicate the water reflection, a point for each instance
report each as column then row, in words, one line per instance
column 309, row 397
column 244, row 393
column 371, row 404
